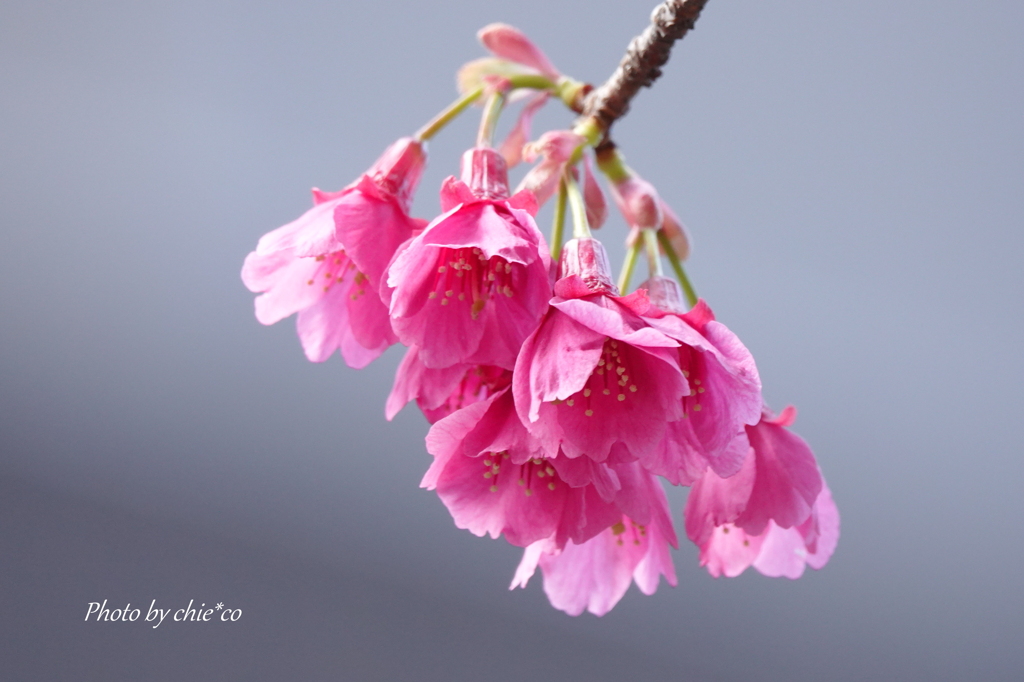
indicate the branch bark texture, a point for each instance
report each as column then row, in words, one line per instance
column 641, row 65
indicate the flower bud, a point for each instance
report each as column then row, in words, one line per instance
column 508, row 42
column 638, row 201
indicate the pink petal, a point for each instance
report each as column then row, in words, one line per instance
column 528, row 564
column 828, row 528
column 554, row 363
column 510, row 43
column 371, row 231
column 676, row 232
column 313, row 230
column 679, row 456
column 787, row 480
column 782, row 553
column 447, row 327
column 512, row 148
column 454, row 192
column 610, row 319
column 327, row 326
column 542, row 180
column 414, row 380
column 287, row 284
column 638, row 201
column 716, row 501
column 593, row 197
column 593, row 576
column 729, row 550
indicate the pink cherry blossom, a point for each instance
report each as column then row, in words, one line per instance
column 778, row 489
column 494, row 479
column 725, row 389
column 595, row 575
column 554, row 149
column 595, row 373
column 473, row 285
column 776, row 551
column 508, row 42
column 512, row 148
column 787, row 480
column 638, row 201
column 640, row 205
column 327, row 265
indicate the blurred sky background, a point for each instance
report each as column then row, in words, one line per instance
column 852, row 175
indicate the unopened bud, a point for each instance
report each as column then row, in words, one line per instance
column 638, row 201
column 508, row 42
column 675, row 232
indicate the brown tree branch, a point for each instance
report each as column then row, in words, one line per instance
column 641, row 65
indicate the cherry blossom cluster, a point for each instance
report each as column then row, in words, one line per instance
column 558, row 399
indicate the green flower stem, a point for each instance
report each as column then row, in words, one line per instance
column 677, row 265
column 558, row 227
column 628, row 265
column 589, row 129
column 489, row 120
column 650, row 238
column 571, row 92
column 436, row 124
column 532, row 81
column 580, row 225
column 613, row 165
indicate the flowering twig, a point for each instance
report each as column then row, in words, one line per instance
column 558, row 400
column 641, row 65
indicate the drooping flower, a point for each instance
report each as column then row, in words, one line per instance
column 776, row 551
column 553, row 151
column 640, row 205
column 473, row 285
column 754, row 513
column 638, row 202
column 512, row 147
column 595, row 575
column 327, row 265
column 508, row 42
column 493, row 477
column 725, row 389
column 595, row 373
column 515, row 54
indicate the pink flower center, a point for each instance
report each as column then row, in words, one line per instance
column 693, row 370
column 334, row 268
column 531, row 473
column 465, row 275
column 610, row 381
column 727, row 528
column 633, row 532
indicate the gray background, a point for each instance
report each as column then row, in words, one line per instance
column 852, row 175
